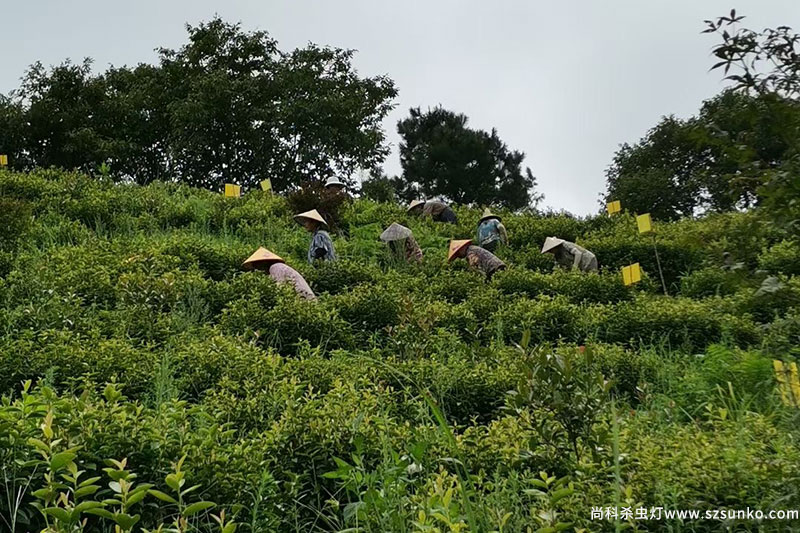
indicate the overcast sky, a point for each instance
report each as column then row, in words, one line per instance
column 565, row 82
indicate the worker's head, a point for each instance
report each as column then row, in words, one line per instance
column 333, row 184
column 458, row 249
column 551, row 245
column 416, row 206
column 310, row 220
column 262, row 259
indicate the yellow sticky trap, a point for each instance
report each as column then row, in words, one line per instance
column 3, row 160
column 232, row 191
column 266, row 185
column 794, row 383
column 614, row 207
column 783, row 384
column 645, row 223
column 631, row 274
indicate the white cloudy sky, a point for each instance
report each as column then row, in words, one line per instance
column 565, row 82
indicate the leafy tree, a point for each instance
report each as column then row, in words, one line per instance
column 712, row 161
column 60, row 120
column 767, row 63
column 441, row 156
column 379, row 187
column 228, row 106
column 655, row 175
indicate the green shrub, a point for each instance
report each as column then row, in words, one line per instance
column 338, row 276
column 314, row 195
column 548, row 320
column 675, row 323
column 781, row 258
column 711, row 281
column 576, row 286
column 368, row 308
column 15, row 220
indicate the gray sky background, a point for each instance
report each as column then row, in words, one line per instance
column 565, row 82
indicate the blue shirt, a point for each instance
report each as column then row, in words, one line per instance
column 490, row 230
column 321, row 247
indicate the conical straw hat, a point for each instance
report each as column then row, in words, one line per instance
column 310, row 215
column 488, row 214
column 456, row 246
column 550, row 243
column 395, row 232
column 414, row 204
column 334, row 182
column 261, row 257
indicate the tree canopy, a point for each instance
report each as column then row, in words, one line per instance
column 441, row 156
column 228, row 106
column 712, row 161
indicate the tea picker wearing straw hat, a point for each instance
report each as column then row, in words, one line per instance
column 278, row 270
column 401, row 241
column 478, row 258
column 491, row 231
column 437, row 210
column 569, row 255
column 321, row 247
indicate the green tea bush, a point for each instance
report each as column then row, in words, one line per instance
column 711, row 281
column 771, row 300
column 530, row 231
column 548, row 320
column 614, row 252
column 658, row 320
column 368, row 309
column 15, row 220
column 576, row 286
column 781, row 258
column 338, row 276
column 376, row 404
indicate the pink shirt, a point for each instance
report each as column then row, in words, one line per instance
column 283, row 273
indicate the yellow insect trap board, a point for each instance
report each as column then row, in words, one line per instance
column 3, row 160
column 266, row 185
column 631, row 274
column 788, row 382
column 614, row 207
column 232, row 191
column 645, row 223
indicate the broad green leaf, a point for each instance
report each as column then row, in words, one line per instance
column 86, row 491
column 85, row 506
column 89, row 481
column 136, row 497
column 126, row 521
column 62, row 515
column 173, row 482
column 60, row 460
column 39, row 444
column 196, row 508
column 162, row 496
column 100, row 512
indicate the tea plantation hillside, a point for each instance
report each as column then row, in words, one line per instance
column 143, row 372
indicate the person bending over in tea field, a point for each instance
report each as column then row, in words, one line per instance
column 569, row 255
column 402, row 242
column 438, row 211
column 263, row 259
column 491, row 231
column 478, row 258
column 321, row 247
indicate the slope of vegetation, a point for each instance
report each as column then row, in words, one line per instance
column 409, row 397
